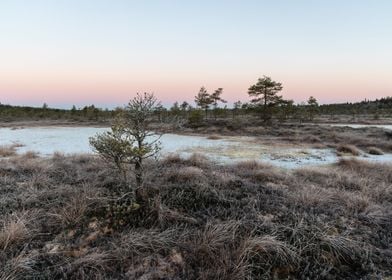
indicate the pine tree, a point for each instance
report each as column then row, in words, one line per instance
column 265, row 95
column 203, row 100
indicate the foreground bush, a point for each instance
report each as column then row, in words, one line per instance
column 72, row 218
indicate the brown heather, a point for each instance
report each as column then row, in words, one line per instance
column 69, row 217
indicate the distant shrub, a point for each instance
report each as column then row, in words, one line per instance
column 58, row 156
column 312, row 139
column 172, row 159
column 214, row 137
column 18, row 145
column 198, row 160
column 195, row 118
column 7, row 151
column 348, row 149
column 30, row 155
column 186, row 174
column 251, row 165
column 375, row 151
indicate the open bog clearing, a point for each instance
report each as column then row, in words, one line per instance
column 73, row 140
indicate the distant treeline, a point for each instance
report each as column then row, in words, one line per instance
column 87, row 113
column 301, row 112
column 378, row 106
column 265, row 103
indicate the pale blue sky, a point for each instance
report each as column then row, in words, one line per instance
column 67, row 52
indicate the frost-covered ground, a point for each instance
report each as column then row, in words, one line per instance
column 69, row 140
column 384, row 126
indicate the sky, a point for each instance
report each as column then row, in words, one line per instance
column 102, row 52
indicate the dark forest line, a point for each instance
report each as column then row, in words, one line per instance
column 374, row 109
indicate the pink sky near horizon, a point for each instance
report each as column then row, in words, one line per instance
column 60, row 94
column 66, row 90
column 82, row 78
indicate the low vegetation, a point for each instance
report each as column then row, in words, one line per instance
column 375, row 151
column 8, row 150
column 214, row 137
column 123, row 214
column 348, row 149
column 70, row 217
column 261, row 101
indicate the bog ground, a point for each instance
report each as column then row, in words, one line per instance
column 63, row 218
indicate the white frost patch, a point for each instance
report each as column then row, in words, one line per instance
column 384, row 126
column 71, row 140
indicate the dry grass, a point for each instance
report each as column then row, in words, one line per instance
column 214, row 137
column 251, row 165
column 73, row 212
column 312, row 139
column 30, row 155
column 348, row 149
column 172, row 159
column 264, row 252
column 198, row 160
column 258, row 172
column 375, row 151
column 19, row 266
column 14, row 231
column 202, row 221
column 7, row 151
column 186, row 174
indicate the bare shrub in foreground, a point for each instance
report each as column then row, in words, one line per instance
column 129, row 141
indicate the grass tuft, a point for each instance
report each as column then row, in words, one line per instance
column 14, row 231
column 7, row 151
column 214, row 137
column 375, row 151
column 348, row 149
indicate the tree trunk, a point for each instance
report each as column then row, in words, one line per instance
column 138, row 173
column 264, row 114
